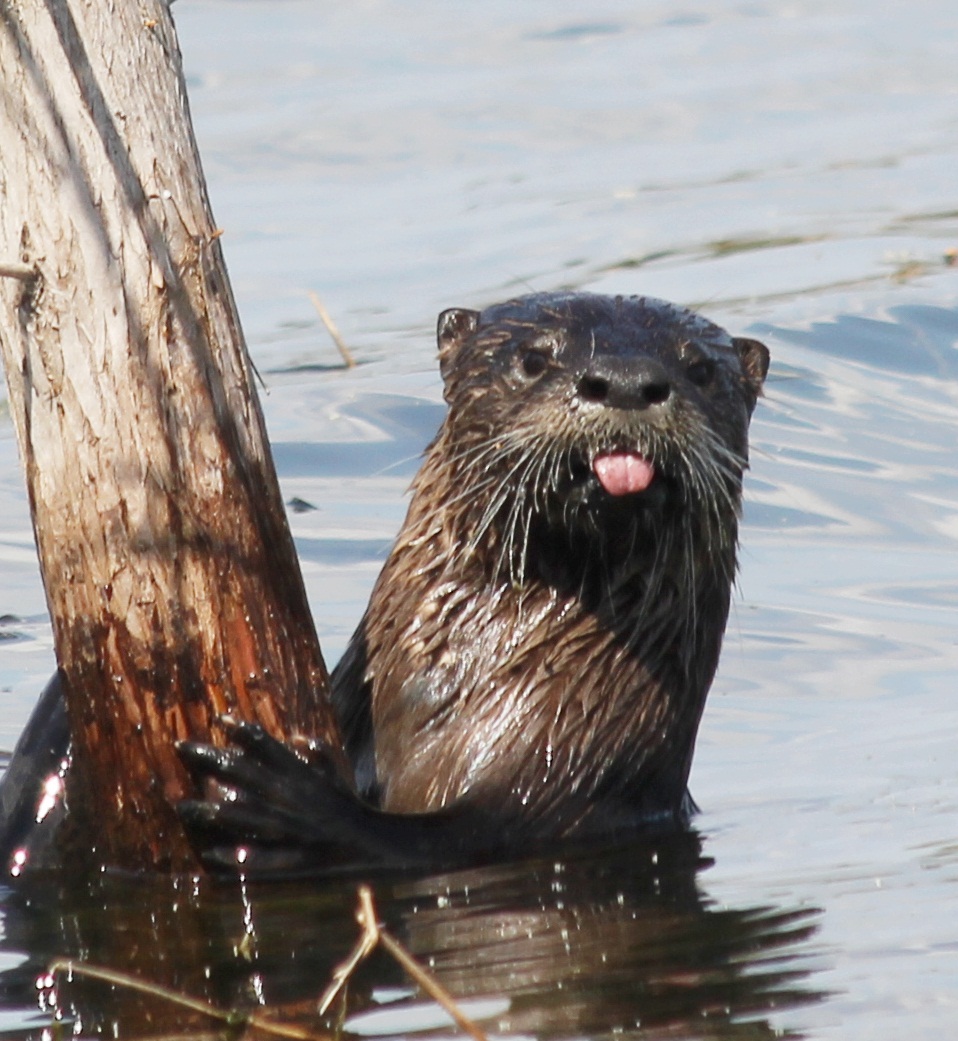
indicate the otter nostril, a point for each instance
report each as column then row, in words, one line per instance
column 593, row 388
column 656, row 393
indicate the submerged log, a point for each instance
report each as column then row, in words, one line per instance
column 169, row 570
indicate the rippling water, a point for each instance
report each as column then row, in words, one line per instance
column 788, row 168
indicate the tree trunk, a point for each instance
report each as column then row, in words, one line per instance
column 169, row 569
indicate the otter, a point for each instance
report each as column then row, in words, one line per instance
column 535, row 657
column 536, row 654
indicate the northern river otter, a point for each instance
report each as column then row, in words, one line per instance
column 536, row 653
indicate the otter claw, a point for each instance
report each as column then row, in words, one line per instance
column 196, row 813
column 206, row 758
column 250, row 736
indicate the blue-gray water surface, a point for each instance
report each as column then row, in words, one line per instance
column 789, row 168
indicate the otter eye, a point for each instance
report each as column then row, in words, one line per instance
column 701, row 371
column 534, row 363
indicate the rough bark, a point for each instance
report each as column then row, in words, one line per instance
column 170, row 573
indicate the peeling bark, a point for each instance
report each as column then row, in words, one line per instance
column 169, row 569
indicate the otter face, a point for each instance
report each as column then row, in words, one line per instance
column 603, row 404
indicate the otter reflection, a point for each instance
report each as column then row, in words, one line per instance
column 624, row 939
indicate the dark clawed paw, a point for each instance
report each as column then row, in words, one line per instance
column 195, row 813
column 247, row 735
column 202, row 759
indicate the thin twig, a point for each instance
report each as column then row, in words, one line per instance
column 348, row 360
column 22, row 272
column 232, row 1018
column 364, row 946
column 374, row 933
column 438, row 993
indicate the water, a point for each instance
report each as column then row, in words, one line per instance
column 789, row 169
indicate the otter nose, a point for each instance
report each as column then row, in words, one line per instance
column 633, row 383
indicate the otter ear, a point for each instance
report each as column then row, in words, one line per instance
column 755, row 359
column 454, row 326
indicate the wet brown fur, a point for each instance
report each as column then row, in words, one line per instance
column 535, row 647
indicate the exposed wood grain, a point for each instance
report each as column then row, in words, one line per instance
column 170, row 573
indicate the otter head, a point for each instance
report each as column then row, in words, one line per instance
column 598, row 415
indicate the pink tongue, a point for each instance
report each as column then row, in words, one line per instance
column 622, row 473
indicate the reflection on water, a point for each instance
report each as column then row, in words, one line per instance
column 623, row 940
column 628, row 942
